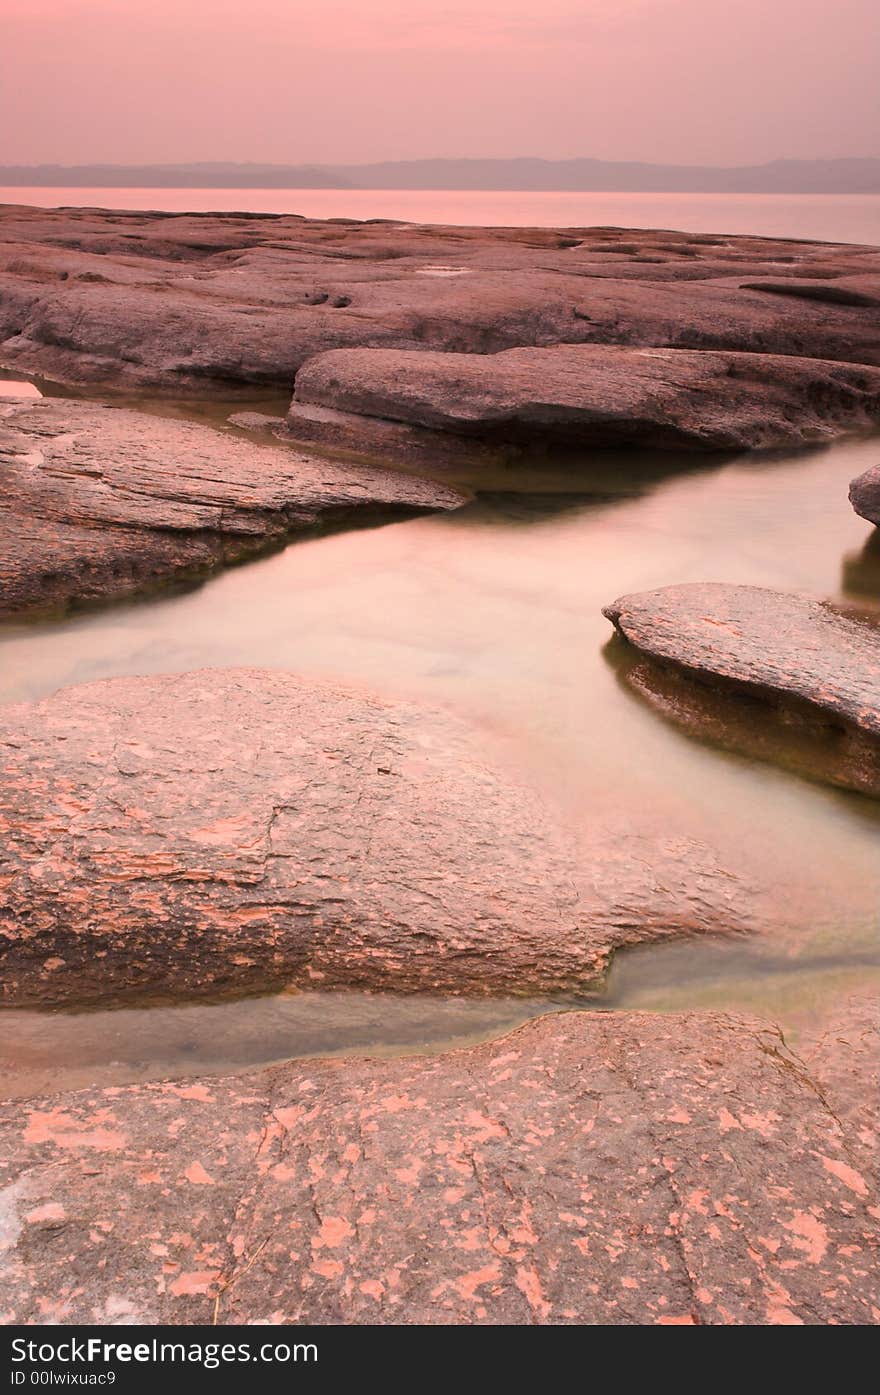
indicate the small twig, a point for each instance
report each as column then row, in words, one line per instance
column 234, row 1278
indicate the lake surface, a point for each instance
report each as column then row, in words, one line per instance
column 822, row 217
column 495, row 612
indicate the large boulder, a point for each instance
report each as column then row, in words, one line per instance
column 588, row 395
column 864, row 495
column 589, row 1168
column 236, row 828
column 97, row 501
column 92, row 296
column 816, row 665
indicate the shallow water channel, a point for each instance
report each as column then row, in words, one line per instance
column 495, row 612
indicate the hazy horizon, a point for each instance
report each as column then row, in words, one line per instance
column 476, row 158
column 672, row 82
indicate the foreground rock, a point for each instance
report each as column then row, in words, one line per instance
column 584, row 395
column 864, row 495
column 98, row 501
column 184, row 301
column 819, row 667
column 612, row 1168
column 239, row 828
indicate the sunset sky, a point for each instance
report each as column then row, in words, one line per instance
column 301, row 81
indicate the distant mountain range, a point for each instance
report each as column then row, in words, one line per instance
column 857, row 176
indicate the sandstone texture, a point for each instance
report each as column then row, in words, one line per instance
column 864, row 495
column 816, row 664
column 589, row 1168
column 184, row 301
column 98, row 501
column 591, row 395
column 229, row 828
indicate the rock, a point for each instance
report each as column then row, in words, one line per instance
column 212, row 831
column 588, row 1168
column 255, row 421
column 98, row 501
column 591, row 395
column 864, row 495
column 375, row 438
column 181, row 302
column 818, row 666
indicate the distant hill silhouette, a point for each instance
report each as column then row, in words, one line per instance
column 205, row 175
column 855, row 176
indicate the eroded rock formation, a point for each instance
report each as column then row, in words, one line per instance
column 584, row 395
column 864, row 495
column 611, row 1168
column 98, row 501
column 234, row 828
column 181, row 301
column 818, row 666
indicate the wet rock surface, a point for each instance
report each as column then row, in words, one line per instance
column 176, row 301
column 98, row 501
column 864, row 495
column 816, row 663
column 587, row 395
column 207, row 831
column 588, row 1168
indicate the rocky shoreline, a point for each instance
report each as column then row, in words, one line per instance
column 610, row 1169
column 233, row 828
column 814, row 664
column 99, row 502
column 226, row 830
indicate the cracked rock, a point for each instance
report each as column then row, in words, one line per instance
column 588, row 1168
column 99, row 501
column 235, row 828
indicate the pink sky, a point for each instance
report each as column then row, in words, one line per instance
column 690, row 81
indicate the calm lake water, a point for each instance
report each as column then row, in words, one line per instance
column 824, row 217
column 495, row 612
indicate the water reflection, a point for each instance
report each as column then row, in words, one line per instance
column 496, row 612
column 860, row 574
column 44, row 1052
column 17, row 387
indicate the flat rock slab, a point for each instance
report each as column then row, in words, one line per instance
column 814, row 662
column 184, row 301
column 97, row 501
column 593, row 395
column 864, row 495
column 234, row 828
column 588, row 1168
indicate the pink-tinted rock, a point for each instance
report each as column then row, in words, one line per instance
column 98, row 501
column 864, row 495
column 589, row 1168
column 817, row 666
column 591, row 395
column 91, row 296
column 211, row 830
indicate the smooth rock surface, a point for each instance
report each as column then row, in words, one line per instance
column 594, row 395
column 98, row 501
column 176, row 301
column 239, row 828
column 803, row 656
column 589, row 1168
column 864, row 495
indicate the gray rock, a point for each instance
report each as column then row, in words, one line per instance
column 99, row 501
column 864, row 495
column 618, row 1168
column 589, row 395
column 815, row 663
column 236, row 828
column 180, row 301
